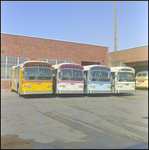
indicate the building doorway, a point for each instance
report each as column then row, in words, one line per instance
column 86, row 63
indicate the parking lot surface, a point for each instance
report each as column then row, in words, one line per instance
column 74, row 121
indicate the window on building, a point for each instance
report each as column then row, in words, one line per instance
column 3, row 66
column 7, row 62
column 120, row 63
column 112, row 64
column 60, row 61
column 69, row 61
column 55, row 61
column 52, row 61
column 43, row 59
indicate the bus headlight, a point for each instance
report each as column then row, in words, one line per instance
column 63, row 86
column 80, row 86
column 28, row 85
column 94, row 86
column 48, row 85
column 133, row 86
column 121, row 86
column 108, row 86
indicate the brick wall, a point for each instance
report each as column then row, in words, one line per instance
column 136, row 53
column 34, row 48
column 4, row 84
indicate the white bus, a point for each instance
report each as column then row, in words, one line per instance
column 122, row 79
column 68, row 78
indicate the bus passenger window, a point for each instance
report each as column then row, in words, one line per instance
column 139, row 74
column 143, row 74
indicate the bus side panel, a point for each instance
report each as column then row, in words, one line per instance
column 14, row 81
column 20, row 81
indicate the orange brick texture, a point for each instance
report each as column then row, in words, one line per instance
column 132, row 54
column 4, row 84
column 34, row 48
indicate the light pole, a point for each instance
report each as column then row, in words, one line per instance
column 115, row 47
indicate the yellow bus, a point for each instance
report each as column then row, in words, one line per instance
column 31, row 77
column 142, row 79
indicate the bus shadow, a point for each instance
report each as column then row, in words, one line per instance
column 141, row 88
column 69, row 95
column 38, row 96
column 122, row 94
column 98, row 95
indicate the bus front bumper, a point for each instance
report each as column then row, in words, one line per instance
column 94, row 92
column 124, row 91
column 70, row 92
column 37, row 92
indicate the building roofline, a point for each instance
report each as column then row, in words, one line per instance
column 53, row 39
column 128, row 48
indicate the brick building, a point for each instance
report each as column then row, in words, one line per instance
column 136, row 57
column 16, row 49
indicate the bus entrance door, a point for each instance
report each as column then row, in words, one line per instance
column 112, row 82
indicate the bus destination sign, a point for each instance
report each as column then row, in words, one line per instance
column 100, row 68
column 38, row 64
column 126, row 69
column 72, row 66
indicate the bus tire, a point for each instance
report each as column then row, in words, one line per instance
column 19, row 91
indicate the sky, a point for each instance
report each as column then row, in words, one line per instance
column 89, row 22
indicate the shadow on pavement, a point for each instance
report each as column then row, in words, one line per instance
column 39, row 96
column 123, row 94
column 69, row 95
column 138, row 146
column 141, row 88
column 98, row 95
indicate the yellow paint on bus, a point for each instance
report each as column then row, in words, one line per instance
column 142, row 79
column 31, row 77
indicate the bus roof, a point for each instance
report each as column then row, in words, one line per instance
column 22, row 64
column 145, row 71
column 58, row 65
column 115, row 69
column 90, row 66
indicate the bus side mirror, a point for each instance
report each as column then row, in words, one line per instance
column 53, row 75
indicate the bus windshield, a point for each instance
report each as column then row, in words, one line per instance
column 37, row 73
column 71, row 74
column 99, row 76
column 126, row 77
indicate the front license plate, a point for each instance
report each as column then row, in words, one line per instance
column 140, row 81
